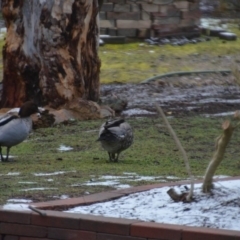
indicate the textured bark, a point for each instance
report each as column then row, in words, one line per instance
column 50, row 54
column 221, row 145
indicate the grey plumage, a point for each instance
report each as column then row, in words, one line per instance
column 15, row 129
column 115, row 136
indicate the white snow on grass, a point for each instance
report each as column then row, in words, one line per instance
column 27, row 182
column 51, row 174
column 219, row 114
column 37, row 189
column 115, row 181
column 17, row 204
column 16, row 207
column 64, row 196
column 64, row 148
column 137, row 111
column 220, row 209
column 13, row 174
column 15, row 200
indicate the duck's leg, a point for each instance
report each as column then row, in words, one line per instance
column 116, row 158
column 2, row 159
column 6, row 159
column 110, row 156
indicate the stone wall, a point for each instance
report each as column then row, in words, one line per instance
column 155, row 18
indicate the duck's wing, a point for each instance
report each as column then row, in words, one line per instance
column 5, row 119
column 112, row 130
column 112, row 134
column 114, row 123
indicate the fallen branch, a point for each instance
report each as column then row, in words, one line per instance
column 177, row 197
column 188, row 196
column 42, row 213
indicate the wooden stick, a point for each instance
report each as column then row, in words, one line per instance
column 181, row 149
column 37, row 211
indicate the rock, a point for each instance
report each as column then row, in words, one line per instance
column 106, row 112
column 63, row 115
column 76, row 110
column 84, row 109
column 115, row 102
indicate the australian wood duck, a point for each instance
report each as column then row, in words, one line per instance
column 15, row 129
column 115, row 136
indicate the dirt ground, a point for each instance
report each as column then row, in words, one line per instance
column 206, row 93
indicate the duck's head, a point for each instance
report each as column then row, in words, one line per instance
column 27, row 109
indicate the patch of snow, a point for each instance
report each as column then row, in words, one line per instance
column 220, row 176
column 129, row 173
column 113, row 183
column 36, row 189
column 122, row 186
column 51, row 174
column 16, row 207
column 137, row 111
column 9, row 156
column 64, row 148
column 135, row 177
column 99, row 183
column 19, row 200
column 109, row 177
column 173, row 177
column 220, row 209
column 49, row 180
column 62, row 197
column 27, row 182
column 218, row 100
column 219, row 114
column 13, row 174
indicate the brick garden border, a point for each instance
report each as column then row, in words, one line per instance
column 27, row 225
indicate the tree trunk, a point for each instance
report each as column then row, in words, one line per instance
column 221, row 145
column 50, row 55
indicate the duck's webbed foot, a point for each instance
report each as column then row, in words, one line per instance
column 113, row 157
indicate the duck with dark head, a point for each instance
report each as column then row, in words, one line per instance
column 15, row 129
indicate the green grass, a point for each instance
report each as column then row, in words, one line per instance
column 152, row 154
column 135, row 62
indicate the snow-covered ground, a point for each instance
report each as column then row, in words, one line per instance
column 220, row 209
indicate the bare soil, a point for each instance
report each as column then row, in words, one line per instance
column 206, row 93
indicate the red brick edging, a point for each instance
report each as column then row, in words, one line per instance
column 26, row 225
